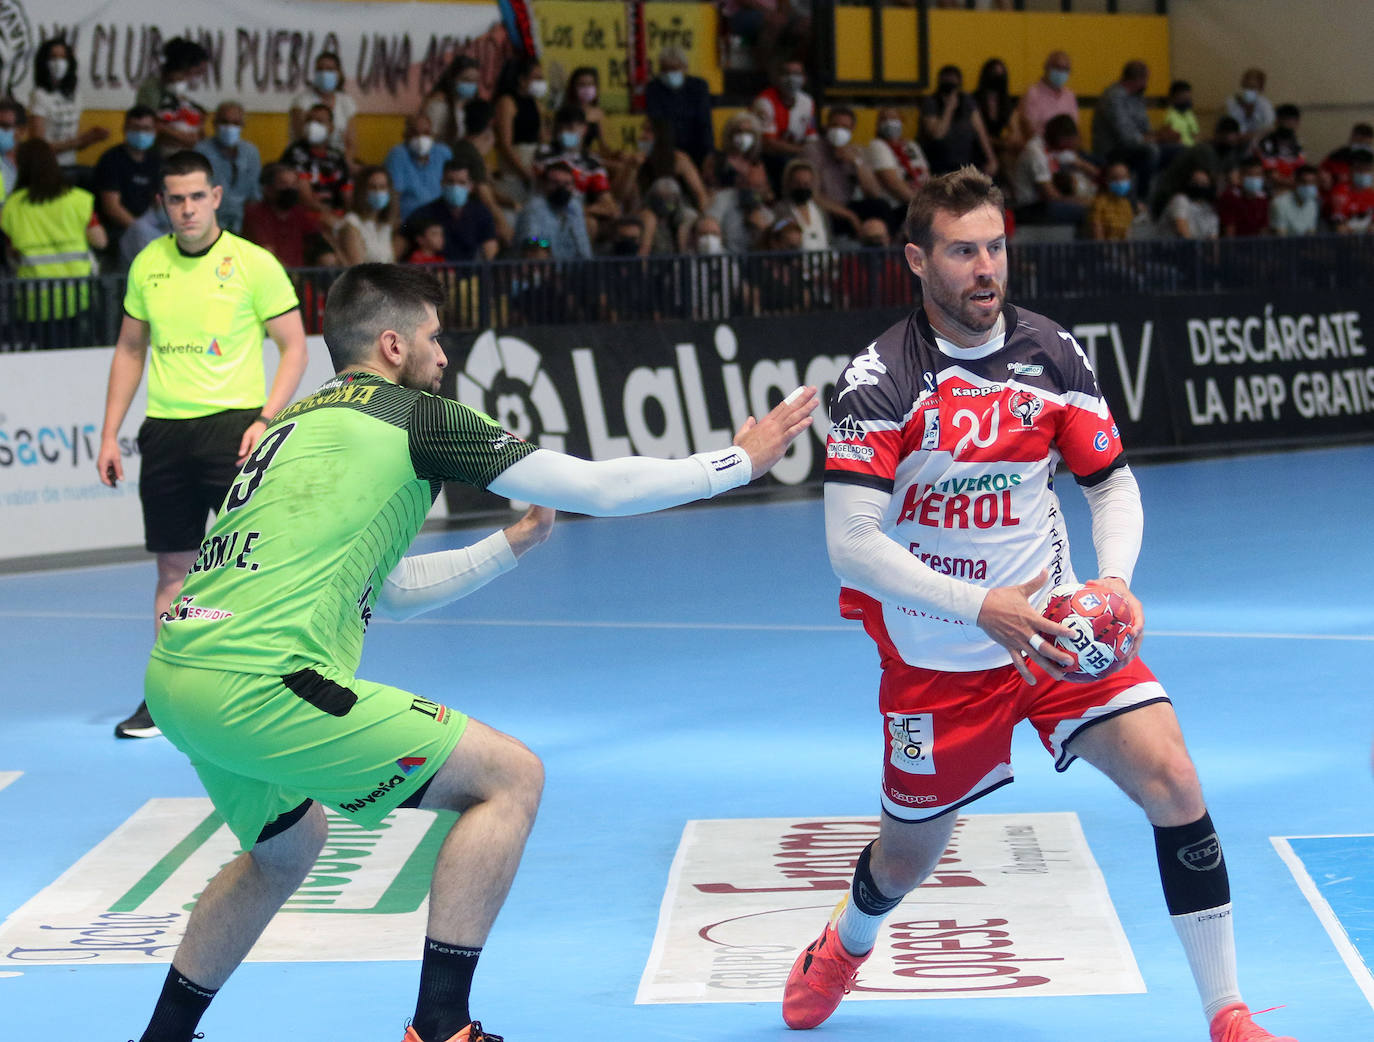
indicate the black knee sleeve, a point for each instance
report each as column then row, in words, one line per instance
column 864, row 892
column 1191, row 867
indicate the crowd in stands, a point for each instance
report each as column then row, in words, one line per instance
column 525, row 171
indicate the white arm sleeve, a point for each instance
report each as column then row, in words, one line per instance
column 873, row 563
column 426, row 581
column 629, row 485
column 1118, row 523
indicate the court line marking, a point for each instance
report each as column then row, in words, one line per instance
column 640, row 624
column 1354, row 962
column 8, row 776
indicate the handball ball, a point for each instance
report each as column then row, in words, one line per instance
column 1103, row 626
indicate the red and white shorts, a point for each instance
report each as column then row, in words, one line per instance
column 948, row 735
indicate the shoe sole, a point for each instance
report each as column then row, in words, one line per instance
column 138, row 732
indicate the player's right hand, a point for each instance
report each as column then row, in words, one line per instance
column 1008, row 617
column 531, row 530
column 108, row 464
column 766, row 440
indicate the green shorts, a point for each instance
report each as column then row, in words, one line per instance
column 263, row 745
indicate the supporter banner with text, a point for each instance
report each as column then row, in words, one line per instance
column 261, row 53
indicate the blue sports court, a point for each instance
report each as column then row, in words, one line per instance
column 690, row 666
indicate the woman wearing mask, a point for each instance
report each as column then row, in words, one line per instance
column 370, row 229
column 1192, row 213
column 798, row 205
column 460, row 83
column 658, row 157
column 952, row 131
column 895, row 159
column 51, row 229
column 996, row 110
column 1115, row 208
column 521, row 91
column 327, row 88
column 584, row 90
column 55, row 105
column 741, row 194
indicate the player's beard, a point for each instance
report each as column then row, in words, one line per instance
column 956, row 307
column 419, row 372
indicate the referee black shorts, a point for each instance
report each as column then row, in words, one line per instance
column 186, row 470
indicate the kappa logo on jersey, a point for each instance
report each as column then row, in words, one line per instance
column 848, row 429
column 1025, row 407
column 863, row 371
column 912, row 736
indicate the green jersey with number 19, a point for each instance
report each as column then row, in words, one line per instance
column 320, row 514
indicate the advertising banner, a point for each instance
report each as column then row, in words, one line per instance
column 1016, row 908
column 261, row 53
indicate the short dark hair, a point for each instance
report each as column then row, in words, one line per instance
column 460, row 163
column 1288, row 111
column 1251, row 161
column 21, row 115
column 958, row 192
column 839, row 110
column 369, row 299
column 569, row 115
column 1061, row 128
column 180, row 54
column 179, row 164
column 1228, row 125
column 1362, row 130
column 1134, row 69
column 1178, row 87
column 139, row 112
column 1306, row 168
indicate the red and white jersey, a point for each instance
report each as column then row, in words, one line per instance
column 796, row 124
column 967, row 441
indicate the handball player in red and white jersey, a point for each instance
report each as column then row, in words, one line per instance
column 943, row 524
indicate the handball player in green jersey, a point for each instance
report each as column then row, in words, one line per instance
column 195, row 309
column 253, row 672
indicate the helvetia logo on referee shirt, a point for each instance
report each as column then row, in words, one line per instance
column 214, row 348
column 127, row 900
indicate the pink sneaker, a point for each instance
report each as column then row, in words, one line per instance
column 1233, row 1024
column 822, row 975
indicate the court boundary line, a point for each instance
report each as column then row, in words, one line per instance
column 642, row 624
column 1326, row 915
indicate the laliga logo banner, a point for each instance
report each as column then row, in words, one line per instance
column 1016, row 907
column 261, row 53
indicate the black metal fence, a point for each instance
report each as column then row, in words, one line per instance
column 40, row 313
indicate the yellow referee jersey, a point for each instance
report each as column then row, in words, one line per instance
column 206, row 315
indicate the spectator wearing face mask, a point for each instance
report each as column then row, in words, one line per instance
column 787, row 117
column 741, row 195
column 370, row 231
column 1179, row 118
column 584, row 91
column 416, row 165
column 555, row 215
column 1114, row 208
column 1297, row 212
column 280, row 222
column 667, row 218
column 1249, row 107
column 323, row 168
column 1121, row 124
column 1336, row 166
column 471, row 151
column 717, row 286
column 591, row 180
column 518, row 118
column 236, row 163
column 1243, row 209
column 798, row 206
column 13, row 122
column 1047, row 97
column 658, row 157
column 952, row 131
column 1192, row 213
column 1350, row 206
column 326, row 88
column 1220, row 156
column 1046, row 182
column 682, row 100
column 897, row 161
column 55, row 104
column 1280, row 150
column 845, row 186
column 126, row 174
column 171, row 94
column 469, row 228
column 460, row 83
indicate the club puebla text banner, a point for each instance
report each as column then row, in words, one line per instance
column 261, row 53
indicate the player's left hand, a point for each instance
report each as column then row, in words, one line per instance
column 250, row 439
column 530, row 530
column 1118, row 586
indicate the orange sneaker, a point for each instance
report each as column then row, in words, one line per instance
column 1233, row 1024
column 472, row 1033
column 822, row 975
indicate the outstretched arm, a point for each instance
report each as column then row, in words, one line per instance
column 425, row 581
column 640, row 484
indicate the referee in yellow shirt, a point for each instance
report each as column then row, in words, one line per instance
column 200, row 299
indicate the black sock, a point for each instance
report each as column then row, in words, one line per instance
column 178, row 1011
column 445, row 984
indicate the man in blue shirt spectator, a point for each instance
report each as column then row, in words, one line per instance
column 417, row 165
column 236, row 163
column 684, row 101
column 556, row 216
column 469, row 229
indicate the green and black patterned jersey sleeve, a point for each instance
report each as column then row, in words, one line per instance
column 450, row 442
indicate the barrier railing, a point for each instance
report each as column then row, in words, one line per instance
column 50, row 313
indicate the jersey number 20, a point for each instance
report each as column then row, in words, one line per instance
column 250, row 477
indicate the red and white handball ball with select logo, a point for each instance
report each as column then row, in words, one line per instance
column 1104, row 629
